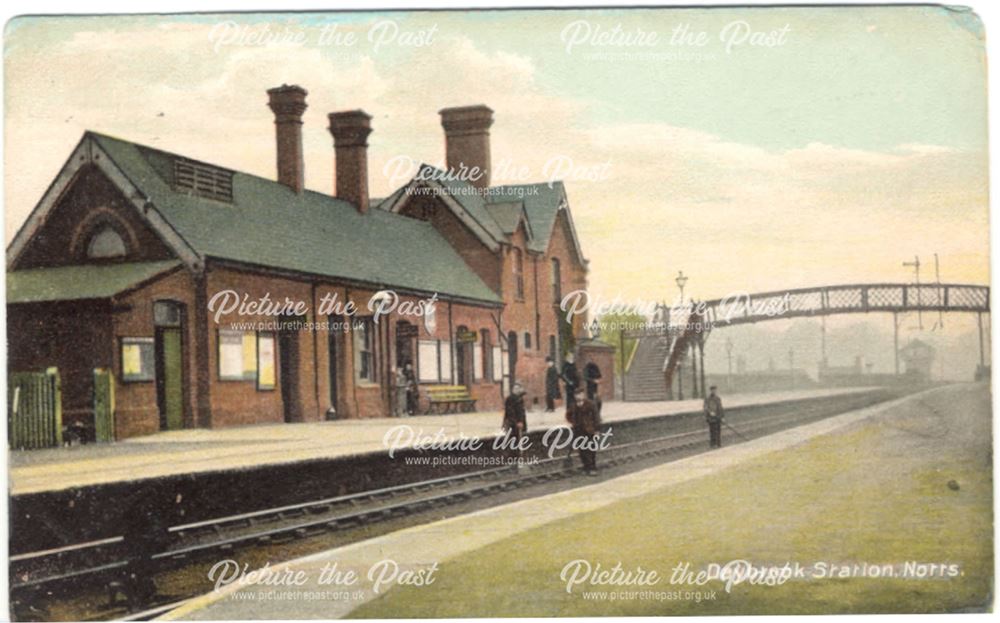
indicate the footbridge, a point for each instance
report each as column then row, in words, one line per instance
column 678, row 332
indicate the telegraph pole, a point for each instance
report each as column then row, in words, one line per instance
column 937, row 278
column 822, row 341
column 791, row 367
column 915, row 264
column 895, row 341
column 729, row 363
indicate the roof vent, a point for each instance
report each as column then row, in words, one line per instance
column 203, row 180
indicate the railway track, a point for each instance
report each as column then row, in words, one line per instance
column 92, row 566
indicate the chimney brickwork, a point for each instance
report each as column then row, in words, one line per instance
column 288, row 102
column 467, row 142
column 350, row 130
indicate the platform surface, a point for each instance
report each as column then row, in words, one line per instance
column 915, row 440
column 203, row 450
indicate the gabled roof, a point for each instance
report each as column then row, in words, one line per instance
column 494, row 212
column 509, row 215
column 269, row 225
column 542, row 203
column 89, row 281
column 469, row 196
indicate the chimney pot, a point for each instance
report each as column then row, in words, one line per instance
column 288, row 102
column 350, row 130
column 467, row 142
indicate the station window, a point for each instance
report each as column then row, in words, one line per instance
column 364, row 350
column 518, row 265
column 487, row 342
column 556, row 281
column 106, row 244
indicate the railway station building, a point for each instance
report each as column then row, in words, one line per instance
column 217, row 298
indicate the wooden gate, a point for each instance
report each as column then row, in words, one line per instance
column 34, row 408
column 104, row 405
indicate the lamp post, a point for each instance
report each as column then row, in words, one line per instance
column 681, row 280
column 595, row 330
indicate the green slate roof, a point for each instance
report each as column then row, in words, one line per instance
column 497, row 212
column 541, row 204
column 507, row 215
column 89, row 281
column 469, row 196
column 268, row 224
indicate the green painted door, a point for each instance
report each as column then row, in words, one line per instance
column 173, row 388
column 104, row 405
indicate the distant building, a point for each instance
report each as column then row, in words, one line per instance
column 917, row 357
column 842, row 375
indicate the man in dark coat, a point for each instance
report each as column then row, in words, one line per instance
column 145, row 530
column 586, row 423
column 571, row 377
column 411, row 389
column 592, row 376
column 714, row 415
column 551, row 385
column 514, row 419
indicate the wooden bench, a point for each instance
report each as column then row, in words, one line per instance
column 449, row 398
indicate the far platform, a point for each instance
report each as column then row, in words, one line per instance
column 203, row 450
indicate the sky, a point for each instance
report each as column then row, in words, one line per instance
column 754, row 149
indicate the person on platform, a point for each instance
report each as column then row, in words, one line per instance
column 411, row 389
column 592, row 377
column 515, row 421
column 551, row 385
column 571, row 377
column 586, row 423
column 714, row 415
column 400, row 386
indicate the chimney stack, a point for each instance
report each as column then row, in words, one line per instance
column 288, row 102
column 467, row 142
column 350, row 132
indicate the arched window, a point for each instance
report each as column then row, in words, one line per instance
column 105, row 244
column 518, row 265
column 556, row 281
column 487, row 354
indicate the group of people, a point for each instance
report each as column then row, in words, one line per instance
column 583, row 406
column 570, row 377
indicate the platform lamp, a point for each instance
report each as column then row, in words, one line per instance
column 595, row 330
column 681, row 281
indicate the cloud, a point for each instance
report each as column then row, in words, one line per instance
column 735, row 216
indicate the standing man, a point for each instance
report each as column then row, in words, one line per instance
column 592, row 376
column 714, row 415
column 586, row 423
column 515, row 422
column 400, row 385
column 571, row 377
column 514, row 419
column 551, row 385
column 411, row 389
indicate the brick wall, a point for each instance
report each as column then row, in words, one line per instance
column 136, row 409
column 92, row 202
